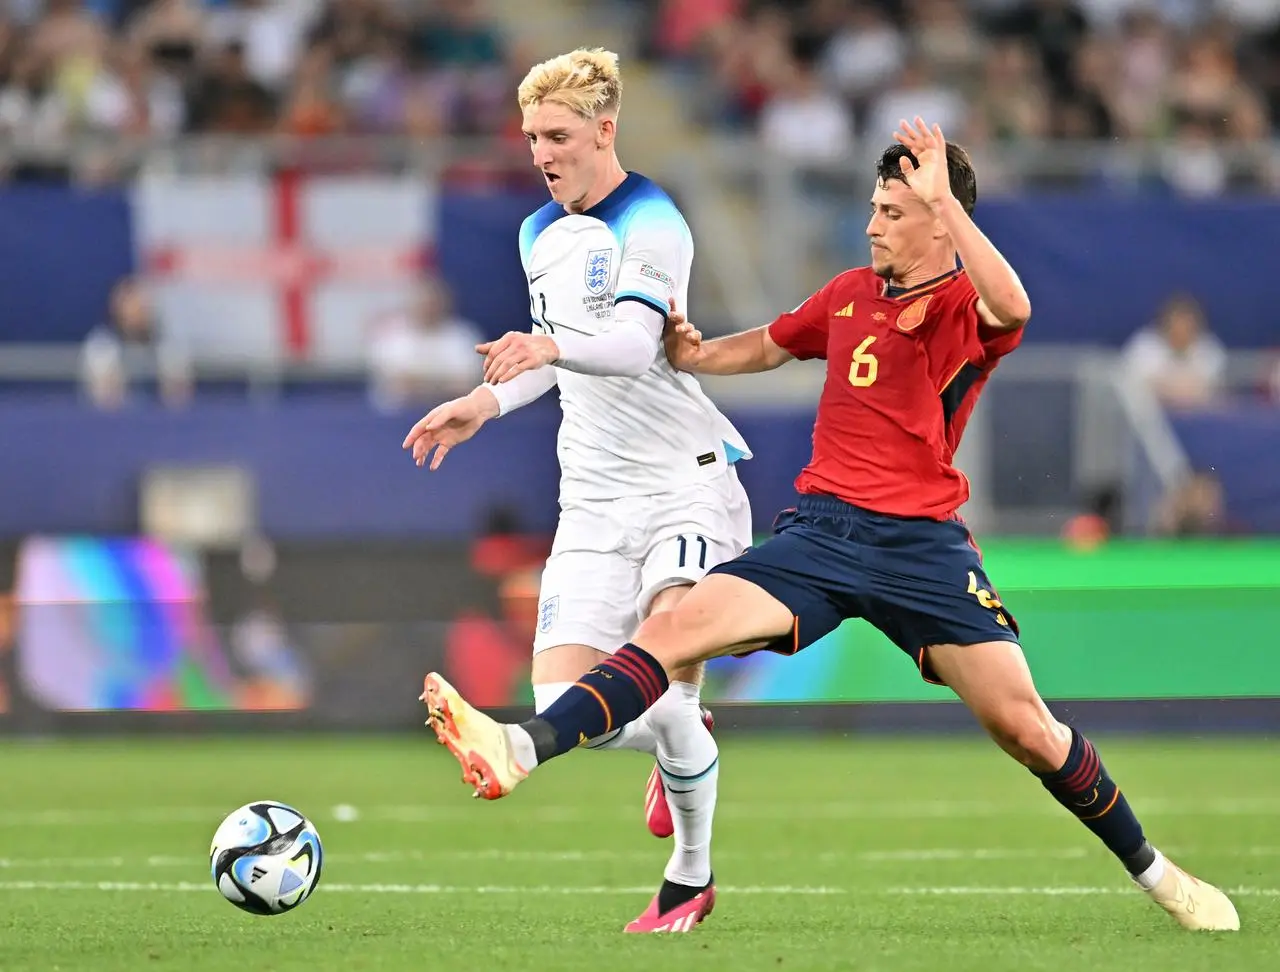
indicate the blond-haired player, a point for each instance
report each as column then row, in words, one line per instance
column 649, row 497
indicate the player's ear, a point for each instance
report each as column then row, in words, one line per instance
column 606, row 131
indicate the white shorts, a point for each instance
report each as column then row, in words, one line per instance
column 611, row 558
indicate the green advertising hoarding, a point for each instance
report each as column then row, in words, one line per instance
column 1127, row 620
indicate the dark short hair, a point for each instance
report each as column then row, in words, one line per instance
column 964, row 182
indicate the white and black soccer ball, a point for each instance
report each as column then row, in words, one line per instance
column 266, row 858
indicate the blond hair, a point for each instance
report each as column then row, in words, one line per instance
column 585, row 81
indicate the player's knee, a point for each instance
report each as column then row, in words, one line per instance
column 673, row 637
column 1029, row 733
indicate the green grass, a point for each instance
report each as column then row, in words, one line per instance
column 871, row 830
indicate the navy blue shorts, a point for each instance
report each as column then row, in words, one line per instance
column 919, row 581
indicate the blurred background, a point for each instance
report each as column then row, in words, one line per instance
column 244, row 244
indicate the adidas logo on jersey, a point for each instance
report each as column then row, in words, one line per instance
column 845, row 311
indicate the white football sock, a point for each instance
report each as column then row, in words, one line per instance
column 634, row 735
column 689, row 761
column 1149, row 878
column 522, row 748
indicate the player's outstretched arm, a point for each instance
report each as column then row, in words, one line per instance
column 1003, row 300
column 456, row 421
column 746, row 353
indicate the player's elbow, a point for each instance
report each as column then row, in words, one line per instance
column 1011, row 311
column 1019, row 310
column 1015, row 319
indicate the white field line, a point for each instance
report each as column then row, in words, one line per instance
column 583, row 813
column 910, row 855
column 536, row 856
column 958, row 891
column 188, row 886
column 973, row 890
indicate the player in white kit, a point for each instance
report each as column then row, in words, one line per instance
column 649, row 496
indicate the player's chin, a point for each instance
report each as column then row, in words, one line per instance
column 881, row 265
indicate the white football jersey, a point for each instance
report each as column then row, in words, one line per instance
column 623, row 436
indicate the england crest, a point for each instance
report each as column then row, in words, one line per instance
column 597, row 272
column 548, row 610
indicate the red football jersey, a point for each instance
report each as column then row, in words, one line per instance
column 903, row 376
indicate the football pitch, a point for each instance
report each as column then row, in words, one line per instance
column 831, row 853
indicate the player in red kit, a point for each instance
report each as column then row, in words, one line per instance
column 909, row 342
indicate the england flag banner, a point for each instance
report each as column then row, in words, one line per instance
column 278, row 268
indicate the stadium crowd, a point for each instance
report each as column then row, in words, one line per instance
column 817, row 77
column 161, row 68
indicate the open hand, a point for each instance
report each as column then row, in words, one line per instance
column 928, row 178
column 444, row 427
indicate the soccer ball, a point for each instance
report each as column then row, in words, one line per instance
column 265, row 858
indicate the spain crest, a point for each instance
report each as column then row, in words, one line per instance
column 913, row 316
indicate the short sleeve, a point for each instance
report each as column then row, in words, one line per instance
column 996, row 341
column 802, row 332
column 657, row 255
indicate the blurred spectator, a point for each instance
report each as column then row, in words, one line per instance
column 33, row 113
column 226, row 99
column 1192, row 508
column 311, row 106
column 1199, row 77
column 679, row 28
column 914, row 91
column 1144, row 49
column 131, row 349
column 1012, row 102
column 1098, row 521
column 271, row 31
column 457, row 33
column 947, row 38
column 424, row 352
column 1177, row 357
column 803, row 121
column 271, row 673
column 130, row 95
column 1191, row 163
column 309, row 67
column 865, row 52
column 745, row 57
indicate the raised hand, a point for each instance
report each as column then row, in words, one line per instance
column 928, row 178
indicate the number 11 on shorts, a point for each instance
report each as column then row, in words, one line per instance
column 702, row 552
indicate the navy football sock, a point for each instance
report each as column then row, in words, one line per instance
column 1085, row 788
column 615, row 692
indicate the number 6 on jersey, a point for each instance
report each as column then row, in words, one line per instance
column 864, row 367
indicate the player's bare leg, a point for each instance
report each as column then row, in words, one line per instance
column 993, row 680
